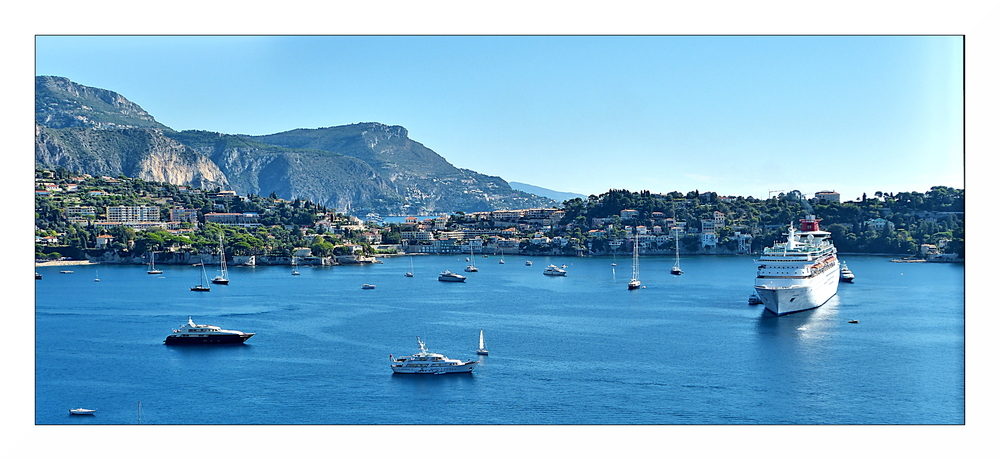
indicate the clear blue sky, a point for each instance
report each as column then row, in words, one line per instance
column 738, row 115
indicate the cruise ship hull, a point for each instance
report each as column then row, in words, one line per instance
column 208, row 340
column 803, row 294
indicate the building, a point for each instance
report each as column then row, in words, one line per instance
column 234, row 219
column 130, row 214
column 629, row 214
column 879, row 224
column 179, row 214
column 827, row 196
column 80, row 214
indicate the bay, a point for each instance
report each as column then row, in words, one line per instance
column 574, row 350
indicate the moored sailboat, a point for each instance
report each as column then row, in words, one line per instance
column 152, row 264
column 223, row 278
column 203, row 281
column 482, row 345
column 635, row 283
column 676, row 269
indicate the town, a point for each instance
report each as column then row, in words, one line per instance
column 123, row 220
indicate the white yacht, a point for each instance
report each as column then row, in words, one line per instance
column 201, row 334
column 425, row 362
column 845, row 273
column 552, row 270
column 449, row 276
column 799, row 274
column 82, row 411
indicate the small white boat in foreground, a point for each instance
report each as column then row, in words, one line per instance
column 426, row 362
column 367, row 286
column 82, row 411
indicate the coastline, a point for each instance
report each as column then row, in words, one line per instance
column 56, row 263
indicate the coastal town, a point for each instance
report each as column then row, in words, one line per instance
column 107, row 219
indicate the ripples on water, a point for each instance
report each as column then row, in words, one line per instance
column 579, row 349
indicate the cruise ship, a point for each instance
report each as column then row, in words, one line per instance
column 800, row 274
column 199, row 334
column 426, row 362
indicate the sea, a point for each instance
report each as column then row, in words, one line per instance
column 573, row 350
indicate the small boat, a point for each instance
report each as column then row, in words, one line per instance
column 38, row 276
column 223, row 278
column 449, row 276
column 426, row 362
column 202, row 334
column 409, row 274
column 66, row 271
column 676, row 269
column 501, row 256
column 97, row 278
column 527, row 262
column 367, row 286
column 552, row 270
column 846, row 275
column 754, row 299
column 635, row 283
column 853, row 321
column 82, row 411
column 152, row 265
column 482, row 345
column 203, row 284
column 472, row 263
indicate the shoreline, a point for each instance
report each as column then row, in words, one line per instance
column 58, row 263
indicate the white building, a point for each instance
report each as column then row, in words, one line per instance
column 133, row 214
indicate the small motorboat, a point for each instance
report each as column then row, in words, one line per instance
column 82, row 411
column 754, row 299
column 38, row 276
column 367, row 286
column 853, row 321
column 66, row 271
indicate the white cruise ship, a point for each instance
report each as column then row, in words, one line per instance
column 801, row 273
column 426, row 362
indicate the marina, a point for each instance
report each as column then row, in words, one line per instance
column 320, row 345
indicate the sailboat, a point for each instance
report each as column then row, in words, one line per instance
column 97, row 278
column 472, row 264
column 676, row 270
column 501, row 256
column 203, row 281
column 482, row 345
column 294, row 271
column 224, row 277
column 634, row 284
column 409, row 274
column 152, row 265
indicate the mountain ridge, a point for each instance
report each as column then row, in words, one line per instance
column 356, row 168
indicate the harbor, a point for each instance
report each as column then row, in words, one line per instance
column 558, row 345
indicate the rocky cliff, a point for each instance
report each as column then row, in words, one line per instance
column 355, row 168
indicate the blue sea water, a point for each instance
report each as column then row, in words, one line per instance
column 576, row 350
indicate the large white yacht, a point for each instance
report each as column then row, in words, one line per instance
column 801, row 273
column 552, row 270
column 449, row 276
column 425, row 362
column 199, row 334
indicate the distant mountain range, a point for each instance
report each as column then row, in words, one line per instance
column 539, row 191
column 355, row 168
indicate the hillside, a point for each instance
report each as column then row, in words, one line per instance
column 355, row 168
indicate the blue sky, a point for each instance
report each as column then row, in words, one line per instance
column 738, row 115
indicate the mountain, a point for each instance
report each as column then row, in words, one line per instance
column 356, row 168
column 425, row 181
column 558, row 196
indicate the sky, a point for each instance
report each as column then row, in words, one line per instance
column 737, row 115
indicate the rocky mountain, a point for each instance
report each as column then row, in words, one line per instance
column 355, row 168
